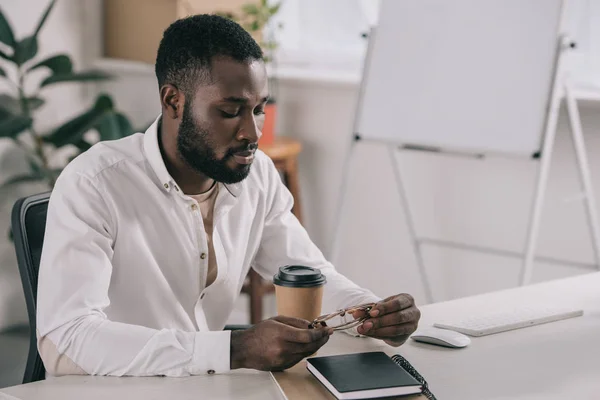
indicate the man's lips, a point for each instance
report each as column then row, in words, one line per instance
column 244, row 157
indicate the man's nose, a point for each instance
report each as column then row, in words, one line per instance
column 249, row 131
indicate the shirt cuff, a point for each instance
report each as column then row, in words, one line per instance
column 212, row 353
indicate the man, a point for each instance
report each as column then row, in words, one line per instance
column 149, row 238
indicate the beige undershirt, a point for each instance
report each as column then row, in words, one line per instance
column 206, row 201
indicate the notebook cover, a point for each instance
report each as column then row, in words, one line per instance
column 297, row 383
column 362, row 371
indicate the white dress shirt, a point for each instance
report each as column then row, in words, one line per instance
column 122, row 277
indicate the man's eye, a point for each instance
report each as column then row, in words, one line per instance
column 259, row 112
column 228, row 115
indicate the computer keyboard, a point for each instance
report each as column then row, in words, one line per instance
column 524, row 317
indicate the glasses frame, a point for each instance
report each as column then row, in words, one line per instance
column 322, row 320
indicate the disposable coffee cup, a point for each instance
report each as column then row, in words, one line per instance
column 299, row 291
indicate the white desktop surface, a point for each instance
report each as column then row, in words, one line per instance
column 559, row 360
column 245, row 384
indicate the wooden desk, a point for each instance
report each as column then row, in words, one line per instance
column 284, row 153
column 553, row 361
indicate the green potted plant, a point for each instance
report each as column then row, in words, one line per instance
column 254, row 17
column 18, row 106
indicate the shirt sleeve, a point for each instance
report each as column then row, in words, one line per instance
column 74, row 278
column 284, row 241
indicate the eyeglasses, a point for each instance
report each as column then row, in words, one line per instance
column 322, row 320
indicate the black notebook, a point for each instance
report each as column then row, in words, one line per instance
column 364, row 376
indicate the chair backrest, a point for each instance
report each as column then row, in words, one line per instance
column 28, row 225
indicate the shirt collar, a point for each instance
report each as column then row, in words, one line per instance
column 154, row 156
column 157, row 163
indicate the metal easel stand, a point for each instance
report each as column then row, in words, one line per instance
column 540, row 191
column 561, row 88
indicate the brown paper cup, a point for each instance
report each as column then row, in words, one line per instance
column 302, row 303
column 299, row 291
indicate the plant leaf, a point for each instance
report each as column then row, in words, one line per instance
column 59, row 64
column 103, row 102
column 35, row 102
column 273, row 10
column 250, row 9
column 23, row 179
column 6, row 33
column 5, row 114
column 114, row 126
column 226, row 14
column 72, row 131
column 5, row 56
column 35, row 167
column 87, row 76
column 108, row 127
column 269, row 45
column 9, row 104
column 13, row 125
column 44, row 17
column 82, row 145
column 25, row 50
column 125, row 127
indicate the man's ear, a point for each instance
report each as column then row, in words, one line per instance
column 172, row 101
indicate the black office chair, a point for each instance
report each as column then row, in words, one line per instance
column 28, row 227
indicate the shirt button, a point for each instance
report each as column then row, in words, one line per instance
column 194, row 207
column 166, row 185
column 176, row 188
column 211, row 371
column 203, row 256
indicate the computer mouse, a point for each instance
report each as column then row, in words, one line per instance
column 441, row 337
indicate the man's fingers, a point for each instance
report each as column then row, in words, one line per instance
column 301, row 334
column 393, row 304
column 359, row 314
column 389, row 331
column 299, row 351
column 411, row 314
column 310, row 348
column 296, row 335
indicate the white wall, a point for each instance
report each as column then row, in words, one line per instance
column 67, row 30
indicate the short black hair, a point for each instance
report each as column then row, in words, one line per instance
column 188, row 46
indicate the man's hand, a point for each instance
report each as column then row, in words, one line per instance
column 276, row 344
column 393, row 319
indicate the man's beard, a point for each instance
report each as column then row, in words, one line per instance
column 195, row 148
